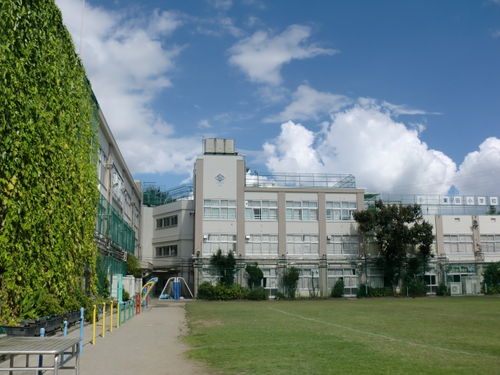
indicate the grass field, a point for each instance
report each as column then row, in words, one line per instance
column 369, row 336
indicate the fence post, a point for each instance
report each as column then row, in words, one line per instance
column 40, row 357
column 118, row 306
column 111, row 322
column 93, row 325
column 65, row 334
column 82, row 318
column 103, row 319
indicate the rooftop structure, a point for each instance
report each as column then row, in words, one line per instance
column 441, row 204
column 301, row 180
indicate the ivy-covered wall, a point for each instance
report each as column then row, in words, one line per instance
column 48, row 181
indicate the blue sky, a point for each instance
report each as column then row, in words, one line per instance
column 405, row 95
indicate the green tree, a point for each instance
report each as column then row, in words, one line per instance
column 48, row 178
column 255, row 275
column 398, row 230
column 290, row 278
column 226, row 265
column 133, row 266
column 492, row 277
column 338, row 288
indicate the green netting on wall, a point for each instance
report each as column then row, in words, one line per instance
column 105, row 266
column 110, row 224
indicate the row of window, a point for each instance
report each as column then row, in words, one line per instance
column 490, row 243
column 267, row 244
column 167, row 222
column 166, row 251
column 219, row 209
column 308, row 244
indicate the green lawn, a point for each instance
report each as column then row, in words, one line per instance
column 369, row 336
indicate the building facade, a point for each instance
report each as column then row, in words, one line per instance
column 304, row 221
column 118, row 225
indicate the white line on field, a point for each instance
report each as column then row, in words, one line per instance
column 383, row 336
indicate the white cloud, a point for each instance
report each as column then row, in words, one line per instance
column 397, row 109
column 364, row 140
column 480, row 171
column 293, row 150
column 261, row 55
column 222, row 4
column 310, row 104
column 128, row 65
column 204, row 124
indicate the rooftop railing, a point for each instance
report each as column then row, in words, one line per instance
column 301, row 180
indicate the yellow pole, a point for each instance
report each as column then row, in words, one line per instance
column 93, row 325
column 104, row 319
column 118, row 305
column 111, row 323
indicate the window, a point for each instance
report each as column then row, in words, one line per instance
column 262, row 244
column 338, row 245
column 490, row 243
column 102, row 166
column 261, row 210
column 458, row 243
column 375, row 277
column 309, row 279
column 219, row 209
column 166, row 251
column 270, row 280
column 348, row 275
column 214, row 242
column 340, row 210
column 371, row 245
column 301, row 211
column 302, row 244
column 166, row 222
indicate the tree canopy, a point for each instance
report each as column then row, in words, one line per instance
column 290, row 279
column 255, row 275
column 399, row 231
column 226, row 265
column 492, row 277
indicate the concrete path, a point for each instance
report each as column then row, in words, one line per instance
column 148, row 343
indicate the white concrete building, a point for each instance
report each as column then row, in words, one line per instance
column 305, row 221
column 118, row 226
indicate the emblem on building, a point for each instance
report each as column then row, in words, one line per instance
column 220, row 177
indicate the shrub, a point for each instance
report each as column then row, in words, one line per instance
column 290, row 279
column 338, row 289
column 258, row 294
column 492, row 278
column 442, row 290
column 226, row 293
column 255, row 275
column 415, row 288
column 226, row 265
column 133, row 266
column 125, row 296
column 492, row 289
column 222, row 292
column 206, row 291
column 364, row 291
